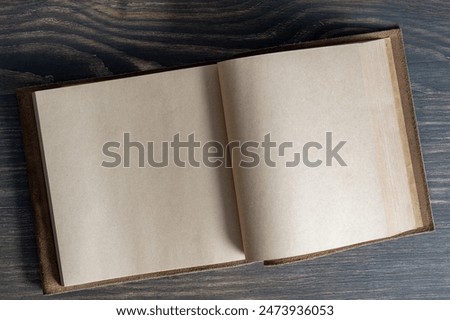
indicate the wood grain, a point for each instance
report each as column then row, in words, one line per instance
column 49, row 41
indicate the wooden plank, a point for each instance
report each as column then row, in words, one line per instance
column 58, row 40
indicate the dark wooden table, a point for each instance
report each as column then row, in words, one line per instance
column 49, row 41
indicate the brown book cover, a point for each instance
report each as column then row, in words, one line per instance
column 43, row 221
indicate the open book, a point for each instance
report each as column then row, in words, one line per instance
column 275, row 156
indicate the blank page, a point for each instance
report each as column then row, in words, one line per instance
column 349, row 92
column 116, row 222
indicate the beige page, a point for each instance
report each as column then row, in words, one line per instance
column 298, row 96
column 115, row 222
